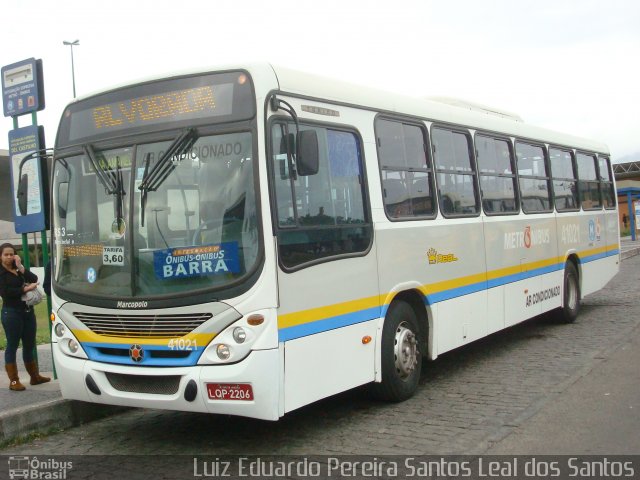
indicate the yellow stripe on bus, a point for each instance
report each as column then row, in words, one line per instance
column 320, row 313
column 87, row 336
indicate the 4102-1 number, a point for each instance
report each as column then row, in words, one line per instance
column 182, row 344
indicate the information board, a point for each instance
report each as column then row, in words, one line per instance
column 22, row 87
column 28, row 179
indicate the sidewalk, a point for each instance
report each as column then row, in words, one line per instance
column 41, row 408
column 629, row 248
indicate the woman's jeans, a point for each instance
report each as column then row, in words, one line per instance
column 19, row 324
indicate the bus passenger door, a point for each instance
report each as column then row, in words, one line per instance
column 327, row 274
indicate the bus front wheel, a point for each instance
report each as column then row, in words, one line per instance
column 401, row 360
column 571, row 301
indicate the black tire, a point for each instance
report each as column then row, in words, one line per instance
column 571, row 298
column 401, row 358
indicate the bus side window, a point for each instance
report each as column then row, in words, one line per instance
column 606, row 184
column 565, row 181
column 405, row 169
column 533, row 178
column 588, row 184
column 497, row 176
column 321, row 215
column 455, row 172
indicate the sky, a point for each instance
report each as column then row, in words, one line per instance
column 571, row 66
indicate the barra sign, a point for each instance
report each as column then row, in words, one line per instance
column 196, row 261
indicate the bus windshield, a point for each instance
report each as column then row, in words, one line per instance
column 194, row 227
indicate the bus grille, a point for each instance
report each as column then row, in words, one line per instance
column 142, row 326
column 165, row 385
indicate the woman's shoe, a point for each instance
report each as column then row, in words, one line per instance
column 36, row 378
column 14, row 380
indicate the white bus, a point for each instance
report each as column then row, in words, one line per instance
column 247, row 241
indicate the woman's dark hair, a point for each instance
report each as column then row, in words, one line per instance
column 6, row 245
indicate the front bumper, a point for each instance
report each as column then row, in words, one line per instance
column 170, row 384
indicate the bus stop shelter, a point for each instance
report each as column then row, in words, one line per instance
column 631, row 193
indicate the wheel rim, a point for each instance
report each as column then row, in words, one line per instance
column 405, row 351
column 572, row 292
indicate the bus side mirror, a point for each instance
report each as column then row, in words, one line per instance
column 308, row 153
column 63, row 199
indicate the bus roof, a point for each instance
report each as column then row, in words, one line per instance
column 445, row 110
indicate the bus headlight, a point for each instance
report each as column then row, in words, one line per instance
column 236, row 340
column 60, row 330
column 63, row 336
column 239, row 335
column 73, row 346
column 223, row 351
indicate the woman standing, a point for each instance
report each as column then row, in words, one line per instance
column 18, row 320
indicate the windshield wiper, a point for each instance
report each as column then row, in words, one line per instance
column 119, row 192
column 153, row 179
column 143, row 192
column 107, row 178
column 113, row 182
column 165, row 166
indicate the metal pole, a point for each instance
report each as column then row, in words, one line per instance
column 632, row 217
column 73, row 73
column 73, row 69
column 35, row 249
column 25, row 239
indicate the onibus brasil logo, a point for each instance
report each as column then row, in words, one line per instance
column 34, row 468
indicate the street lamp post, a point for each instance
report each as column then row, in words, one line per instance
column 73, row 73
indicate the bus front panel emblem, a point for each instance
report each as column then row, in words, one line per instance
column 136, row 353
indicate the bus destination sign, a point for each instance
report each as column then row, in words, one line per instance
column 158, row 107
column 225, row 96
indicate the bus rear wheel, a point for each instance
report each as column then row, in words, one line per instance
column 571, row 301
column 401, row 360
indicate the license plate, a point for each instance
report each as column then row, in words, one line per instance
column 230, row 391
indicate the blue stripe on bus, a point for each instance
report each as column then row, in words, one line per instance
column 94, row 354
column 360, row 316
column 455, row 292
column 516, row 277
column 325, row 324
column 599, row 256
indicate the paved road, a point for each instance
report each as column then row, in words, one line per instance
column 599, row 413
column 539, row 387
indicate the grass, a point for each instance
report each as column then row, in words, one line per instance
column 42, row 320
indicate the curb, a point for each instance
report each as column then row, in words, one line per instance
column 48, row 415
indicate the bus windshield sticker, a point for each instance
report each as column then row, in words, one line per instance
column 113, row 256
column 83, row 250
column 196, row 261
column 91, row 275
